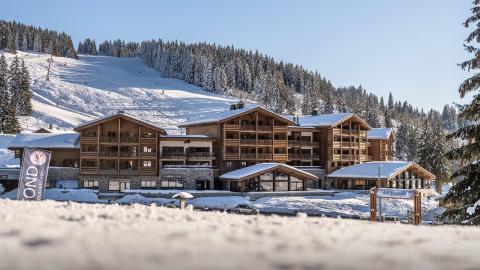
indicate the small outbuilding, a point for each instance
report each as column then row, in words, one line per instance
column 267, row 177
column 381, row 174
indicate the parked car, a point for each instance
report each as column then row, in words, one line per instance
column 246, row 209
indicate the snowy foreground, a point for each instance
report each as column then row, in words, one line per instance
column 345, row 204
column 65, row 235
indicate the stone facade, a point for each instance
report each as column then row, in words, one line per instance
column 190, row 176
column 103, row 180
column 317, row 171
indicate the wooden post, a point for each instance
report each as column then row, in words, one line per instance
column 289, row 183
column 274, row 181
column 373, row 205
column 417, row 206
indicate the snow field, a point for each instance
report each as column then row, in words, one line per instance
column 55, row 235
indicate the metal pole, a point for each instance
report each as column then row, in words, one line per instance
column 50, row 60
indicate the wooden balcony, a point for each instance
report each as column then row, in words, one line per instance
column 89, row 140
column 247, row 128
column 265, row 142
column 280, row 156
column 148, row 154
column 265, row 156
column 245, row 156
column 248, row 141
column 107, row 154
column 129, row 140
column 231, row 127
column 174, row 155
column 232, row 141
column 265, row 128
column 230, row 156
column 201, row 156
column 89, row 154
column 303, row 156
column 109, row 139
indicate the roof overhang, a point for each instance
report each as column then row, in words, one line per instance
column 277, row 167
column 121, row 116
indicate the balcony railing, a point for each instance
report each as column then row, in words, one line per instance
column 303, row 156
column 201, row 155
column 108, row 153
column 174, row 155
column 128, row 154
column 129, row 139
column 248, row 141
column 247, row 128
column 247, row 156
column 265, row 156
column 108, row 139
column 264, row 128
column 261, row 141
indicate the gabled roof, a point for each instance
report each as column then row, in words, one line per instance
column 262, row 168
column 328, row 120
column 380, row 133
column 369, row 170
column 121, row 115
column 66, row 140
column 223, row 116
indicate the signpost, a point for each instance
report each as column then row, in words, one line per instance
column 33, row 174
column 399, row 194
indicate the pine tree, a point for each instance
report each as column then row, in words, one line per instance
column 390, row 101
column 463, row 199
column 25, row 105
column 388, row 119
column 14, row 82
column 371, row 114
column 8, row 120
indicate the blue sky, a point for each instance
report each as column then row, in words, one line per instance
column 408, row 47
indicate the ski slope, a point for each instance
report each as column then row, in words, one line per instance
column 95, row 86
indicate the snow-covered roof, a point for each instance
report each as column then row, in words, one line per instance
column 370, row 170
column 223, row 115
column 127, row 116
column 65, row 140
column 379, row 133
column 184, row 195
column 260, row 168
column 324, row 120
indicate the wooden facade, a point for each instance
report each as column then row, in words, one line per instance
column 381, row 149
column 119, row 145
column 246, row 138
column 186, row 151
column 60, row 157
column 340, row 144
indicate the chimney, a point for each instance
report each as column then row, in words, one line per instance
column 315, row 112
column 120, row 111
column 241, row 104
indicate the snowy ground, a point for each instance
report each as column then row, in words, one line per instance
column 95, row 86
column 345, row 204
column 54, row 235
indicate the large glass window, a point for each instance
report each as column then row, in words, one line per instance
column 151, row 184
column 90, row 184
column 171, row 184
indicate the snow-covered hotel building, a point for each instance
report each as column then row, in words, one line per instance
column 120, row 152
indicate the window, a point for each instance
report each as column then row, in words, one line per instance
column 148, row 184
column 147, row 163
column 90, row 184
column 171, row 184
column 113, row 185
column 147, row 149
column 4, row 176
column 244, row 164
column 229, row 164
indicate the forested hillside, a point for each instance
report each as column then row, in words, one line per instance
column 17, row 36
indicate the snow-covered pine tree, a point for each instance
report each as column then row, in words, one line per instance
column 220, row 79
column 14, row 82
column 463, row 199
column 37, row 43
column 25, row 105
column 8, row 119
column 388, row 119
column 371, row 114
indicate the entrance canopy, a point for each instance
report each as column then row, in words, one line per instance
column 267, row 177
column 262, row 168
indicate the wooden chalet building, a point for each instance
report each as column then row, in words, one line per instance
column 331, row 141
column 120, row 152
column 381, row 143
column 382, row 174
column 244, row 136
